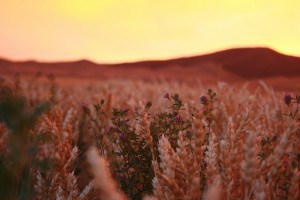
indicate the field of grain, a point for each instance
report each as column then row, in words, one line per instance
column 135, row 139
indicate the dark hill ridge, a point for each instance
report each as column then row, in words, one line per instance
column 245, row 62
column 250, row 63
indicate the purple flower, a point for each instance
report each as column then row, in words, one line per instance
column 167, row 95
column 178, row 118
column 298, row 99
column 204, row 100
column 127, row 122
column 122, row 136
column 274, row 138
column 126, row 110
column 287, row 99
column 136, row 109
column 85, row 108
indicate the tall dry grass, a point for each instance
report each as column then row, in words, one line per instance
column 154, row 140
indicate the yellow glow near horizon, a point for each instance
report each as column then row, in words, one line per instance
column 129, row 30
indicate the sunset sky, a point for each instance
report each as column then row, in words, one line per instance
column 130, row 30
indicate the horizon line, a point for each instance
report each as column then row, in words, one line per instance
column 36, row 60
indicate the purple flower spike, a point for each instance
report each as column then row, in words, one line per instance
column 274, row 138
column 126, row 110
column 127, row 122
column 298, row 99
column 122, row 136
column 167, row 95
column 287, row 99
column 204, row 100
column 85, row 108
column 178, row 118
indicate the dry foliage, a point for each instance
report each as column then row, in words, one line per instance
column 134, row 139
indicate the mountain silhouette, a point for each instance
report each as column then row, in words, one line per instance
column 243, row 63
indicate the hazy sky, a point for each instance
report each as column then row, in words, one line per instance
column 129, row 30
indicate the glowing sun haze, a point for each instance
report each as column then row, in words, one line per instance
column 130, row 30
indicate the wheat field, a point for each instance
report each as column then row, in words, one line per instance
column 125, row 139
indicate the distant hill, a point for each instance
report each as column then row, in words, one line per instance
column 239, row 63
column 245, row 62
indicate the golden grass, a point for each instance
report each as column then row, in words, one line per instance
column 237, row 146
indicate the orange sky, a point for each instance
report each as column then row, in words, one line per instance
column 130, row 30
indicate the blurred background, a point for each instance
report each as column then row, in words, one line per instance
column 90, row 34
